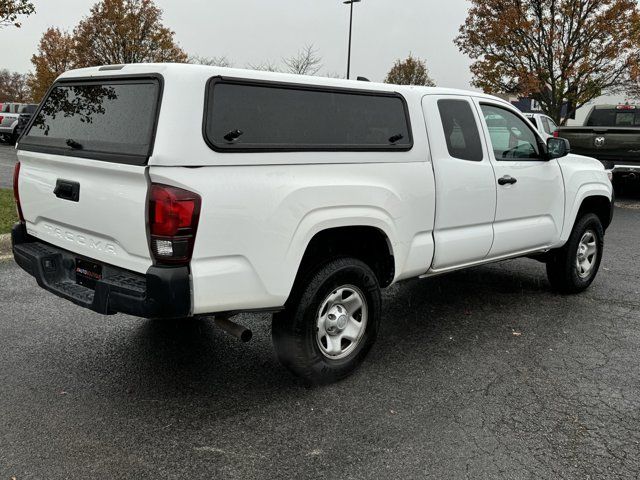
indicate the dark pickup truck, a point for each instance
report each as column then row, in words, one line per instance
column 611, row 133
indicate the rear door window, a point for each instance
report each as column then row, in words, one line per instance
column 269, row 116
column 552, row 126
column 460, row 130
column 545, row 125
column 110, row 120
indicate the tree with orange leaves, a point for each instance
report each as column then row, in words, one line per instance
column 555, row 51
column 11, row 10
column 410, row 71
column 125, row 31
column 56, row 55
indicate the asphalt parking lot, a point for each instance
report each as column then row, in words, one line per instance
column 482, row 374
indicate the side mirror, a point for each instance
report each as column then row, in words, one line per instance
column 558, row 147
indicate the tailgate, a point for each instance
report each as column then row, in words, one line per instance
column 106, row 223
column 613, row 144
column 83, row 178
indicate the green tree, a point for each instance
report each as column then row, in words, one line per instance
column 554, row 51
column 410, row 71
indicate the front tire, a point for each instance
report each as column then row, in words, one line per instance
column 330, row 321
column 573, row 267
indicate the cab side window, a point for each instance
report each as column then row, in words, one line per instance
column 511, row 137
column 460, row 130
column 550, row 126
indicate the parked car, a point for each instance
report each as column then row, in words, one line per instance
column 545, row 125
column 611, row 133
column 15, row 120
column 25, row 113
column 289, row 194
column 5, row 110
column 8, row 107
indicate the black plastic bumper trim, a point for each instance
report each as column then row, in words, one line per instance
column 163, row 292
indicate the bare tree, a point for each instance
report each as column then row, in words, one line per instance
column 336, row 75
column 266, row 66
column 305, row 62
column 13, row 87
column 218, row 61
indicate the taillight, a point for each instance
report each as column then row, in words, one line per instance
column 173, row 222
column 16, row 191
column 556, row 134
column 1, row 118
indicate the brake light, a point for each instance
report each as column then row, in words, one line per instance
column 1, row 118
column 173, row 222
column 16, row 191
column 556, row 134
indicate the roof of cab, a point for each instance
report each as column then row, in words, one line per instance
column 168, row 70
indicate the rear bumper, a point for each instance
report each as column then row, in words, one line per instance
column 616, row 164
column 626, row 168
column 160, row 293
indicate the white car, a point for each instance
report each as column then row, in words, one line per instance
column 182, row 190
column 545, row 125
column 13, row 118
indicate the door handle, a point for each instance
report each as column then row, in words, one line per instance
column 67, row 190
column 507, row 180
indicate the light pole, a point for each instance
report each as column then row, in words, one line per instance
column 350, row 3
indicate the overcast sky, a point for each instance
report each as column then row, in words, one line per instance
column 252, row 31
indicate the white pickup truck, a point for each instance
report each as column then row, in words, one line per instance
column 180, row 190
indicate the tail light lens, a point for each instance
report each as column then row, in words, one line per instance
column 173, row 223
column 16, row 191
column 556, row 134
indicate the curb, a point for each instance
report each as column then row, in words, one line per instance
column 5, row 246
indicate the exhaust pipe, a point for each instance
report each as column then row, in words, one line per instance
column 232, row 328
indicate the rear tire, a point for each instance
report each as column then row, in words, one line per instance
column 572, row 268
column 330, row 321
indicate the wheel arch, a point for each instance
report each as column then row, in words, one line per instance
column 368, row 243
column 600, row 205
column 594, row 198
